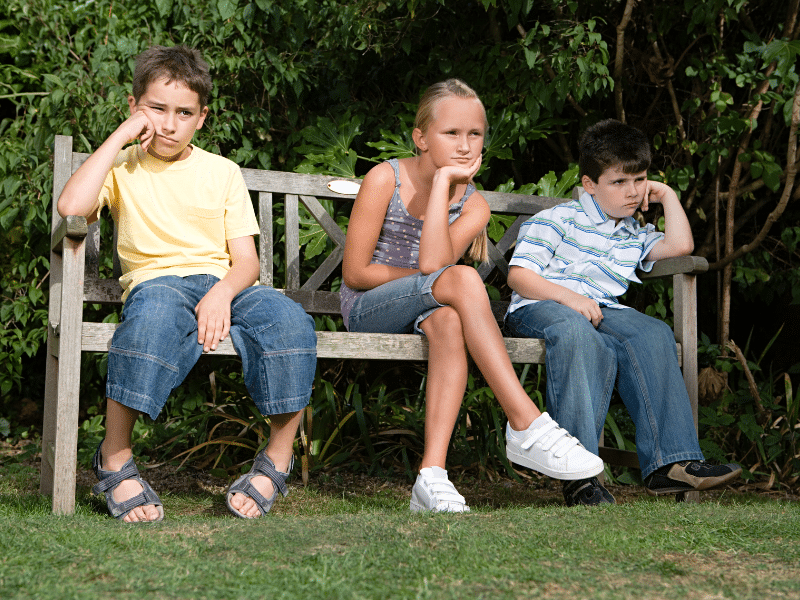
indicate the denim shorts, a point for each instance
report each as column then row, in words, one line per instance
column 155, row 345
column 397, row 306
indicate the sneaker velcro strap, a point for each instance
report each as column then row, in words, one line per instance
column 552, row 435
column 445, row 492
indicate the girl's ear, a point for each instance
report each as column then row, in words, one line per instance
column 419, row 139
column 132, row 104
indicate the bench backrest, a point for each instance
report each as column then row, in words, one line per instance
column 272, row 189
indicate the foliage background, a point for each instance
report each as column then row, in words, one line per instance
column 330, row 86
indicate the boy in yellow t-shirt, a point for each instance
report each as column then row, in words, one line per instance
column 186, row 226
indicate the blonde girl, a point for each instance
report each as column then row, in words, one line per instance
column 412, row 221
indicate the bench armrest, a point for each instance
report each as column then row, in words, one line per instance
column 71, row 226
column 680, row 265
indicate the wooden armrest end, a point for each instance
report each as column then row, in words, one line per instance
column 688, row 265
column 71, row 226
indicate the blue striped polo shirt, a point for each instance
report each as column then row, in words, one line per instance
column 577, row 245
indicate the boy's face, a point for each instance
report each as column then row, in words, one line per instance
column 619, row 194
column 176, row 114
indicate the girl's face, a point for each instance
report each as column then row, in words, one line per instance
column 455, row 135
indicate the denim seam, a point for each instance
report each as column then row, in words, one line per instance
column 647, row 401
column 149, row 357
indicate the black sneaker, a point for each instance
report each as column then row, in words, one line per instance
column 589, row 492
column 689, row 475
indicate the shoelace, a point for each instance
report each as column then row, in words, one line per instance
column 552, row 436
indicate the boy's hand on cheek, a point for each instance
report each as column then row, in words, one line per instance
column 655, row 192
column 213, row 318
column 139, row 126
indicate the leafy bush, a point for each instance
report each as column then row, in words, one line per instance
column 317, row 85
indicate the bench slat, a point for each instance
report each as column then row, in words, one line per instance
column 96, row 337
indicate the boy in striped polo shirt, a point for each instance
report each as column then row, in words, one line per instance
column 570, row 264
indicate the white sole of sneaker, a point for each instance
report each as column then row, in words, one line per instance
column 525, row 461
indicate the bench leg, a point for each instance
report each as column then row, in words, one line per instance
column 62, row 384
column 685, row 295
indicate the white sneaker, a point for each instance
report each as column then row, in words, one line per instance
column 549, row 449
column 434, row 492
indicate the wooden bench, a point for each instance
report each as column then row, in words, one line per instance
column 74, row 280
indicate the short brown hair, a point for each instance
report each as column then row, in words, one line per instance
column 611, row 143
column 173, row 63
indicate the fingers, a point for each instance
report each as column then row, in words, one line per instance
column 212, row 329
column 595, row 316
column 147, row 134
column 591, row 310
column 476, row 167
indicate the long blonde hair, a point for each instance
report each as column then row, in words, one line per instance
column 478, row 250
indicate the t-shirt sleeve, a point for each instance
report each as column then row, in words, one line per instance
column 240, row 217
column 651, row 238
column 538, row 239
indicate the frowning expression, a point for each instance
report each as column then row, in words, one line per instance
column 619, row 194
column 455, row 135
column 176, row 114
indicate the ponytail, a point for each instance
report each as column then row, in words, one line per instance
column 479, row 249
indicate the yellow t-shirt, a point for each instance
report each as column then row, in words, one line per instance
column 175, row 218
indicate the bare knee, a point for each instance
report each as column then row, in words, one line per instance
column 462, row 282
column 444, row 327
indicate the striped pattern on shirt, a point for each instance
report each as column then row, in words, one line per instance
column 578, row 246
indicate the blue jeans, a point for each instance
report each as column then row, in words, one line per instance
column 629, row 349
column 397, row 306
column 155, row 346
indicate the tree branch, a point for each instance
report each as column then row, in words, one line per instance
column 791, row 175
column 618, row 58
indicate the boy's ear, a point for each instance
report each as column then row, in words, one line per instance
column 203, row 115
column 588, row 184
column 132, row 104
column 419, row 139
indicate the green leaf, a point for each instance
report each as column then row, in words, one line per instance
column 226, row 8
column 8, row 217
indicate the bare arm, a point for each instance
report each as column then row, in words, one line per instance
column 532, row 285
column 678, row 240
column 214, row 309
column 441, row 243
column 83, row 188
column 366, row 222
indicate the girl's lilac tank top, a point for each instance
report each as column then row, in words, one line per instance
column 398, row 243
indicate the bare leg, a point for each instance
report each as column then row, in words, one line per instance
column 461, row 288
column 447, row 380
column 283, row 429
column 116, row 451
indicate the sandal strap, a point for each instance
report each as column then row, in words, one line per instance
column 263, row 465
column 109, row 480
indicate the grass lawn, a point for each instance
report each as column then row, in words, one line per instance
column 355, row 538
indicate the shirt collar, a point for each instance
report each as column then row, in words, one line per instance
column 598, row 217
